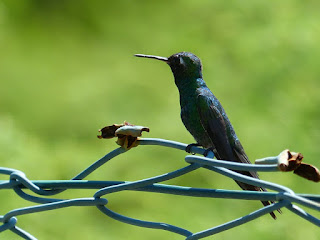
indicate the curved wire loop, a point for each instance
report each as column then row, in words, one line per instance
column 283, row 196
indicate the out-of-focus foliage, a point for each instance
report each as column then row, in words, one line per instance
column 67, row 69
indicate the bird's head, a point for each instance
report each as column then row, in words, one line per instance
column 184, row 65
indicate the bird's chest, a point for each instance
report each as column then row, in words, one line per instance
column 191, row 119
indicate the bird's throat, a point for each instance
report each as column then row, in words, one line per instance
column 187, row 86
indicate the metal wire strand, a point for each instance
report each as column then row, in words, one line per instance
column 283, row 196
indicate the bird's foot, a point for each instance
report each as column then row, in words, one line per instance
column 207, row 151
column 188, row 148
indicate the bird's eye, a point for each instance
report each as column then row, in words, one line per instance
column 181, row 61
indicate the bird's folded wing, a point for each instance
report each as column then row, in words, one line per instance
column 215, row 126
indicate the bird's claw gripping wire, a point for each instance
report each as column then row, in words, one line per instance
column 188, row 148
column 207, row 151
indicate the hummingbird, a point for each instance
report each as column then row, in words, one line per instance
column 203, row 115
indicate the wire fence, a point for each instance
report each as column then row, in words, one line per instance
column 283, row 196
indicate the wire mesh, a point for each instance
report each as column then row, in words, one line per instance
column 283, row 196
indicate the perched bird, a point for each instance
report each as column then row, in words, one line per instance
column 203, row 115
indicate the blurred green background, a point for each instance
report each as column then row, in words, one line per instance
column 67, row 69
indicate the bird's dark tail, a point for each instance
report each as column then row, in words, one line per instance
column 248, row 187
column 266, row 203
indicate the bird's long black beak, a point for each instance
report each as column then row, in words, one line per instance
column 164, row 59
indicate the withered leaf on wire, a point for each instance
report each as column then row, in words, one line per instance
column 308, row 171
column 109, row 131
column 288, row 161
column 127, row 134
column 294, row 163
